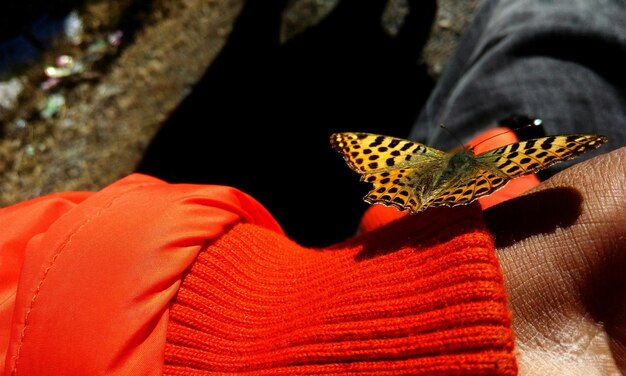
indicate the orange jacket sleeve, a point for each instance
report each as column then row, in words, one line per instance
column 86, row 279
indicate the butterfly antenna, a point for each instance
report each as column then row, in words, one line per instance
column 452, row 135
column 534, row 123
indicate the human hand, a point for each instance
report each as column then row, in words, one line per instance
column 562, row 249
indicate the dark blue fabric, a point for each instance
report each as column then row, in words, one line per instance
column 563, row 61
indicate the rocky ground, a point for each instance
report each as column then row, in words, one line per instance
column 133, row 75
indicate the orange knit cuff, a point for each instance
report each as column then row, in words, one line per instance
column 417, row 296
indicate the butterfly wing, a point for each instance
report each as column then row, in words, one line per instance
column 526, row 157
column 405, row 188
column 468, row 185
column 372, row 153
column 490, row 171
column 393, row 165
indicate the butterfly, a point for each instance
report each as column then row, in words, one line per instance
column 411, row 176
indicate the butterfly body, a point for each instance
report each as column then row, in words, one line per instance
column 411, row 176
column 463, row 160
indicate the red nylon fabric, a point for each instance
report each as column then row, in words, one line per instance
column 98, row 272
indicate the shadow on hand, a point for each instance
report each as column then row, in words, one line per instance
column 536, row 213
column 261, row 117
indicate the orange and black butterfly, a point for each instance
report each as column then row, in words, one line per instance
column 411, row 176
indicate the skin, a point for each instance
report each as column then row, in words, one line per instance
column 562, row 249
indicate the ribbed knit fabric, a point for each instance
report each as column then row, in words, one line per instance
column 421, row 295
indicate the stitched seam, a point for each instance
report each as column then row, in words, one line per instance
column 63, row 245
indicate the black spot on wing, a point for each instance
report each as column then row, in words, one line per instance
column 532, row 166
column 505, row 164
column 377, row 141
column 407, row 146
column 512, row 169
